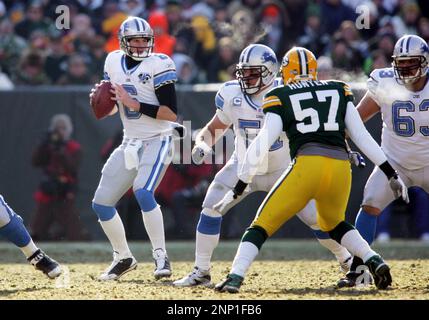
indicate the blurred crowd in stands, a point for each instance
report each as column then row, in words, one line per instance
column 204, row 38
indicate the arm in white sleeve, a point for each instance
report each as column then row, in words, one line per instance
column 260, row 146
column 361, row 137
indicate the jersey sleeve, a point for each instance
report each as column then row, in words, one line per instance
column 344, row 89
column 348, row 94
column 372, row 84
column 107, row 66
column 272, row 103
column 222, row 106
column 164, row 70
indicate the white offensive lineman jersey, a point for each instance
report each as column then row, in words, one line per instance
column 405, row 114
column 140, row 82
column 245, row 114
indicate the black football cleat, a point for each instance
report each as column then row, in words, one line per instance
column 380, row 272
column 41, row 261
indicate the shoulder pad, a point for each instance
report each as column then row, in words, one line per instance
column 377, row 76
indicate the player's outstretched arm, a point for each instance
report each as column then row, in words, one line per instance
column 256, row 152
column 364, row 141
column 272, row 128
column 367, row 107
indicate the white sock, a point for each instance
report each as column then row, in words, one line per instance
column 114, row 230
column 29, row 249
column 154, row 225
column 340, row 253
column 205, row 245
column 354, row 242
column 246, row 253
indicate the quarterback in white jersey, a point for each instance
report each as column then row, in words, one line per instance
column 401, row 95
column 144, row 90
column 239, row 104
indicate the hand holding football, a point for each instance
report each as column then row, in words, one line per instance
column 101, row 99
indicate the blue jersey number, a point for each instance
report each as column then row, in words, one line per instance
column 404, row 126
column 130, row 114
column 256, row 124
column 386, row 74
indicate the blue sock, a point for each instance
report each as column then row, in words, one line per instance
column 320, row 234
column 209, row 225
column 16, row 232
column 366, row 224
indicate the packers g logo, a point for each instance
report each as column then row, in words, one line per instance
column 285, row 61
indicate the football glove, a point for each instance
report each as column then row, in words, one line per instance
column 230, row 196
column 357, row 159
column 399, row 188
column 200, row 151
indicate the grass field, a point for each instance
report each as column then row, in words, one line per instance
column 283, row 270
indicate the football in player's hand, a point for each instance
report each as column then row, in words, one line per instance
column 100, row 99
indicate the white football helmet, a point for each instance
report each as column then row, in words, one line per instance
column 135, row 27
column 411, row 48
column 259, row 58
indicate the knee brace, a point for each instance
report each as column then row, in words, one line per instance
column 146, row 199
column 104, row 213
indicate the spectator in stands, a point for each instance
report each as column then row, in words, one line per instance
column 112, row 19
column 273, row 22
column 77, row 72
column 352, row 37
column 59, row 156
column 164, row 42
column 35, row 20
column 325, row 68
column 407, row 21
column 205, row 41
column 39, row 41
column 343, row 56
column 11, row 47
column 222, row 67
column 187, row 71
column 56, row 61
column 424, row 28
column 31, row 70
column 313, row 37
column 376, row 60
column 134, row 8
column 386, row 43
column 334, row 12
column 97, row 58
column 246, row 31
column 5, row 82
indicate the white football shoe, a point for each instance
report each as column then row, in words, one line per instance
column 162, row 264
column 195, row 278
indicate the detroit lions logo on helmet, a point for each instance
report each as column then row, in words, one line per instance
column 266, row 56
column 144, row 77
column 424, row 48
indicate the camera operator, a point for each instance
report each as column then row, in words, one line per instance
column 59, row 157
